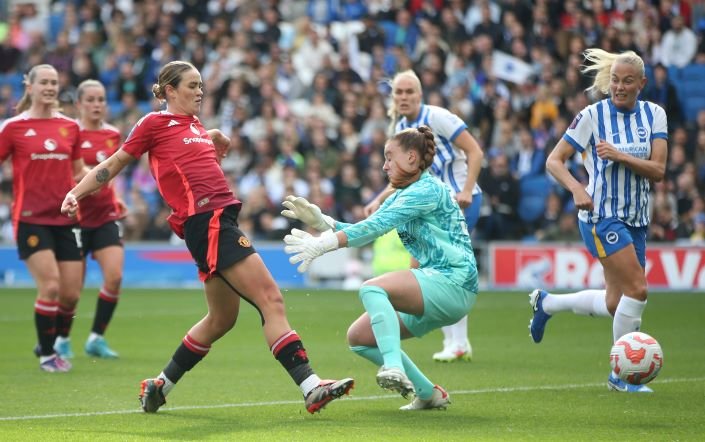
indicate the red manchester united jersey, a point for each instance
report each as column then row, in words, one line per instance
column 97, row 145
column 183, row 161
column 43, row 151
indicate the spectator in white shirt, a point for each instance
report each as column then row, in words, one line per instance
column 679, row 44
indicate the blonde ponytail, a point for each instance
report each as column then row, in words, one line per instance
column 601, row 64
column 393, row 117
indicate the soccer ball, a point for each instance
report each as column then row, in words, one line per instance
column 636, row 358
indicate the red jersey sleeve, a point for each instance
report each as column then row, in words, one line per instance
column 5, row 141
column 140, row 138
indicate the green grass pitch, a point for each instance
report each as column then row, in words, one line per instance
column 512, row 390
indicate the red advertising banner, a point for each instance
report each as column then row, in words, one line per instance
column 521, row 266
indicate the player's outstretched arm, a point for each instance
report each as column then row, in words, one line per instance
column 555, row 165
column 94, row 180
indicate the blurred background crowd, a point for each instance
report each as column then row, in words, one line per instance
column 302, row 88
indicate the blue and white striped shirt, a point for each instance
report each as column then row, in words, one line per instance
column 450, row 163
column 617, row 192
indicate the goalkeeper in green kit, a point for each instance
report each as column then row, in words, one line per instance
column 411, row 302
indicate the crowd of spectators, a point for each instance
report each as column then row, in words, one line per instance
column 302, row 86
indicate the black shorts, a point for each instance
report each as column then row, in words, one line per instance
column 215, row 241
column 65, row 241
column 96, row 238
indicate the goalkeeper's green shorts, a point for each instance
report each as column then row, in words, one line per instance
column 445, row 303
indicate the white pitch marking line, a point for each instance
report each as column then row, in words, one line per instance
column 365, row 398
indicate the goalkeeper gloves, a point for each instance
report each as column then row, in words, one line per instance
column 308, row 213
column 307, row 247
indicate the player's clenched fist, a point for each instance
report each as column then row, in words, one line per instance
column 70, row 205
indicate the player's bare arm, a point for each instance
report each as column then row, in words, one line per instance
column 94, row 180
column 555, row 164
column 474, row 155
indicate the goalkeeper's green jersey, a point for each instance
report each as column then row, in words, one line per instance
column 431, row 227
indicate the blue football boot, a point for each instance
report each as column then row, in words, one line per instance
column 537, row 324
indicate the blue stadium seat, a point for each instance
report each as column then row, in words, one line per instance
column 56, row 24
column 692, row 80
column 15, row 80
column 674, row 73
column 649, row 72
column 145, row 106
column 390, row 31
column 692, row 105
column 114, row 109
column 693, row 72
column 533, row 193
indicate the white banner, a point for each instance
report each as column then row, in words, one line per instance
column 510, row 68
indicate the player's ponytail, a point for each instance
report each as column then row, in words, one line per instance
column 429, row 149
column 393, row 118
column 601, row 63
column 392, row 112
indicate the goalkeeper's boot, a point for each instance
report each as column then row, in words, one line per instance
column 439, row 400
column 616, row 384
column 62, row 346
column 537, row 325
column 327, row 391
column 54, row 364
column 98, row 347
column 394, row 379
column 454, row 353
column 151, row 395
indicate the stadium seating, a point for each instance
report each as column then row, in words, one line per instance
column 649, row 72
column 534, row 190
column 691, row 90
column 14, row 79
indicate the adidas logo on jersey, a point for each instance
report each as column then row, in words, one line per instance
column 30, row 133
column 86, row 145
column 172, row 123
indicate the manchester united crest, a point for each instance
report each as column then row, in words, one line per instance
column 32, row 241
column 244, row 242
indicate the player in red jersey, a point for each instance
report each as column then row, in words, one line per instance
column 101, row 234
column 46, row 157
column 184, row 159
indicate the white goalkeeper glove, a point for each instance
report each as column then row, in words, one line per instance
column 308, row 247
column 308, row 213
